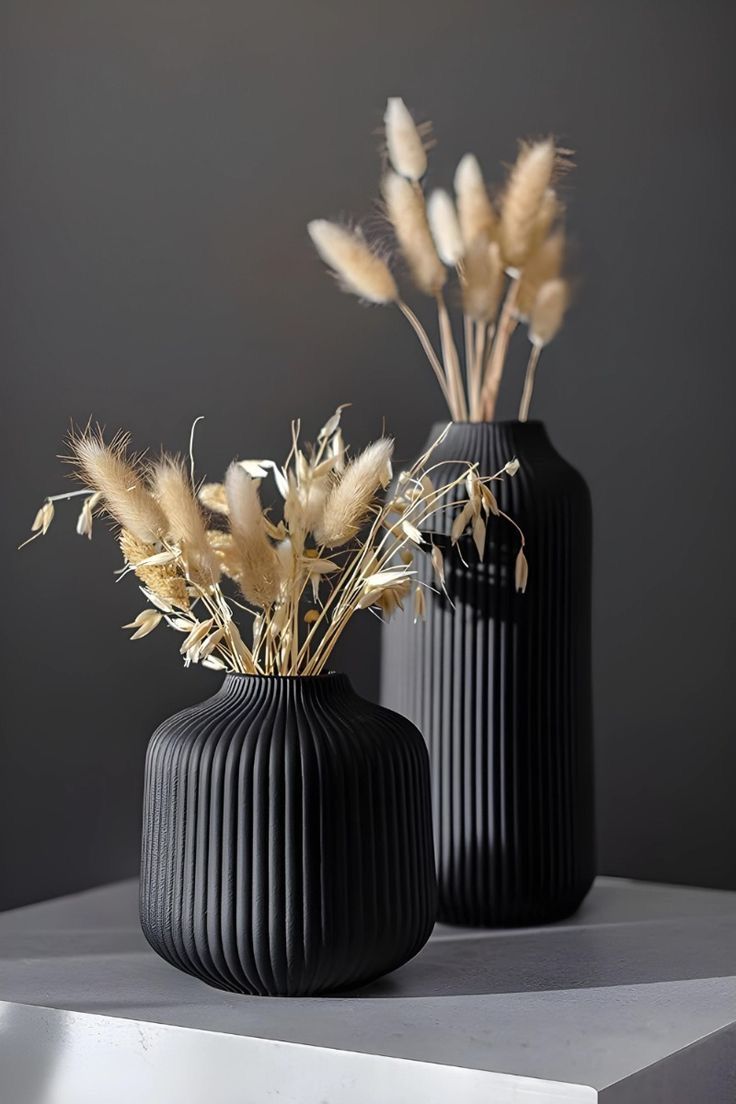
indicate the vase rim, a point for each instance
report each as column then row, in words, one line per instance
column 496, row 422
column 323, row 676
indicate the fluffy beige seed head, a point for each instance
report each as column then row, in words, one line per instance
column 550, row 210
column 107, row 469
column 482, row 280
column 475, row 210
column 259, row 572
column 543, row 265
column 525, row 191
column 407, row 213
column 186, row 527
column 548, row 312
column 406, row 150
column 360, row 271
column 352, row 497
column 445, row 227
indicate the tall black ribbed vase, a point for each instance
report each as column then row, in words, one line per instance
column 499, row 683
column 287, row 838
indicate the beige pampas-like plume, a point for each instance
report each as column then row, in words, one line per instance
column 523, row 197
column 406, row 150
column 259, row 571
column 443, row 223
column 482, row 280
column 543, row 265
column 107, row 469
column 550, row 209
column 186, row 528
column 360, row 270
column 475, row 210
column 407, row 213
column 352, row 497
column 548, row 312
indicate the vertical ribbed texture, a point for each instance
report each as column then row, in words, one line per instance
column 287, row 838
column 499, row 683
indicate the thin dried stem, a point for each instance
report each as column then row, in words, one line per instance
column 426, row 344
column 452, row 362
column 494, row 371
column 531, row 370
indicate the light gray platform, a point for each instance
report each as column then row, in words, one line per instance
column 633, row 1000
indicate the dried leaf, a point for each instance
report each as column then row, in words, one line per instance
column 521, row 571
column 144, row 623
column 479, row 534
column 489, row 500
column 333, row 423
column 214, row 663
column 254, row 468
column 438, row 564
column 198, row 633
column 412, row 532
column 158, row 559
column 461, row 522
column 43, row 518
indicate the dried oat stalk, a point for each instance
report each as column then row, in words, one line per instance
column 333, row 540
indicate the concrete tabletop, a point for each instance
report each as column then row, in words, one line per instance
column 631, row 1000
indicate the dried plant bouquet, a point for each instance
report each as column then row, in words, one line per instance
column 200, row 552
column 507, row 258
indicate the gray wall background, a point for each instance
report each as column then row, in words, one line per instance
column 160, row 161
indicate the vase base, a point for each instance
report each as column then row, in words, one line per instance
column 527, row 916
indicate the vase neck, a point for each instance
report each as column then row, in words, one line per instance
column 491, row 444
column 291, row 688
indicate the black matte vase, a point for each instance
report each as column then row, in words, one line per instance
column 500, row 685
column 287, row 838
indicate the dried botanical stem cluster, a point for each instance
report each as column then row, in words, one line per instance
column 338, row 545
column 506, row 256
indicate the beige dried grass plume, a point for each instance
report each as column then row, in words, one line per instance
column 353, row 495
column 475, row 210
column 259, row 574
column 407, row 214
column 108, row 470
column 543, row 265
column 526, row 188
column 404, row 143
column 186, row 528
column 548, row 312
column 445, row 227
column 482, row 280
column 360, row 270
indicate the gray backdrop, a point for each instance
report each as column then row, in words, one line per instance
column 160, row 161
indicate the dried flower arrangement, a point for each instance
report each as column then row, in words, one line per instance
column 508, row 258
column 338, row 546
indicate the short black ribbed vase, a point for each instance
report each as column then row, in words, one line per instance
column 500, row 685
column 287, row 838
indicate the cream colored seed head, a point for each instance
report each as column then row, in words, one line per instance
column 360, row 271
column 406, row 150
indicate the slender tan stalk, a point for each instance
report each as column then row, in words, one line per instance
column 426, row 344
column 531, row 370
column 494, row 371
column 452, row 363
column 407, row 214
